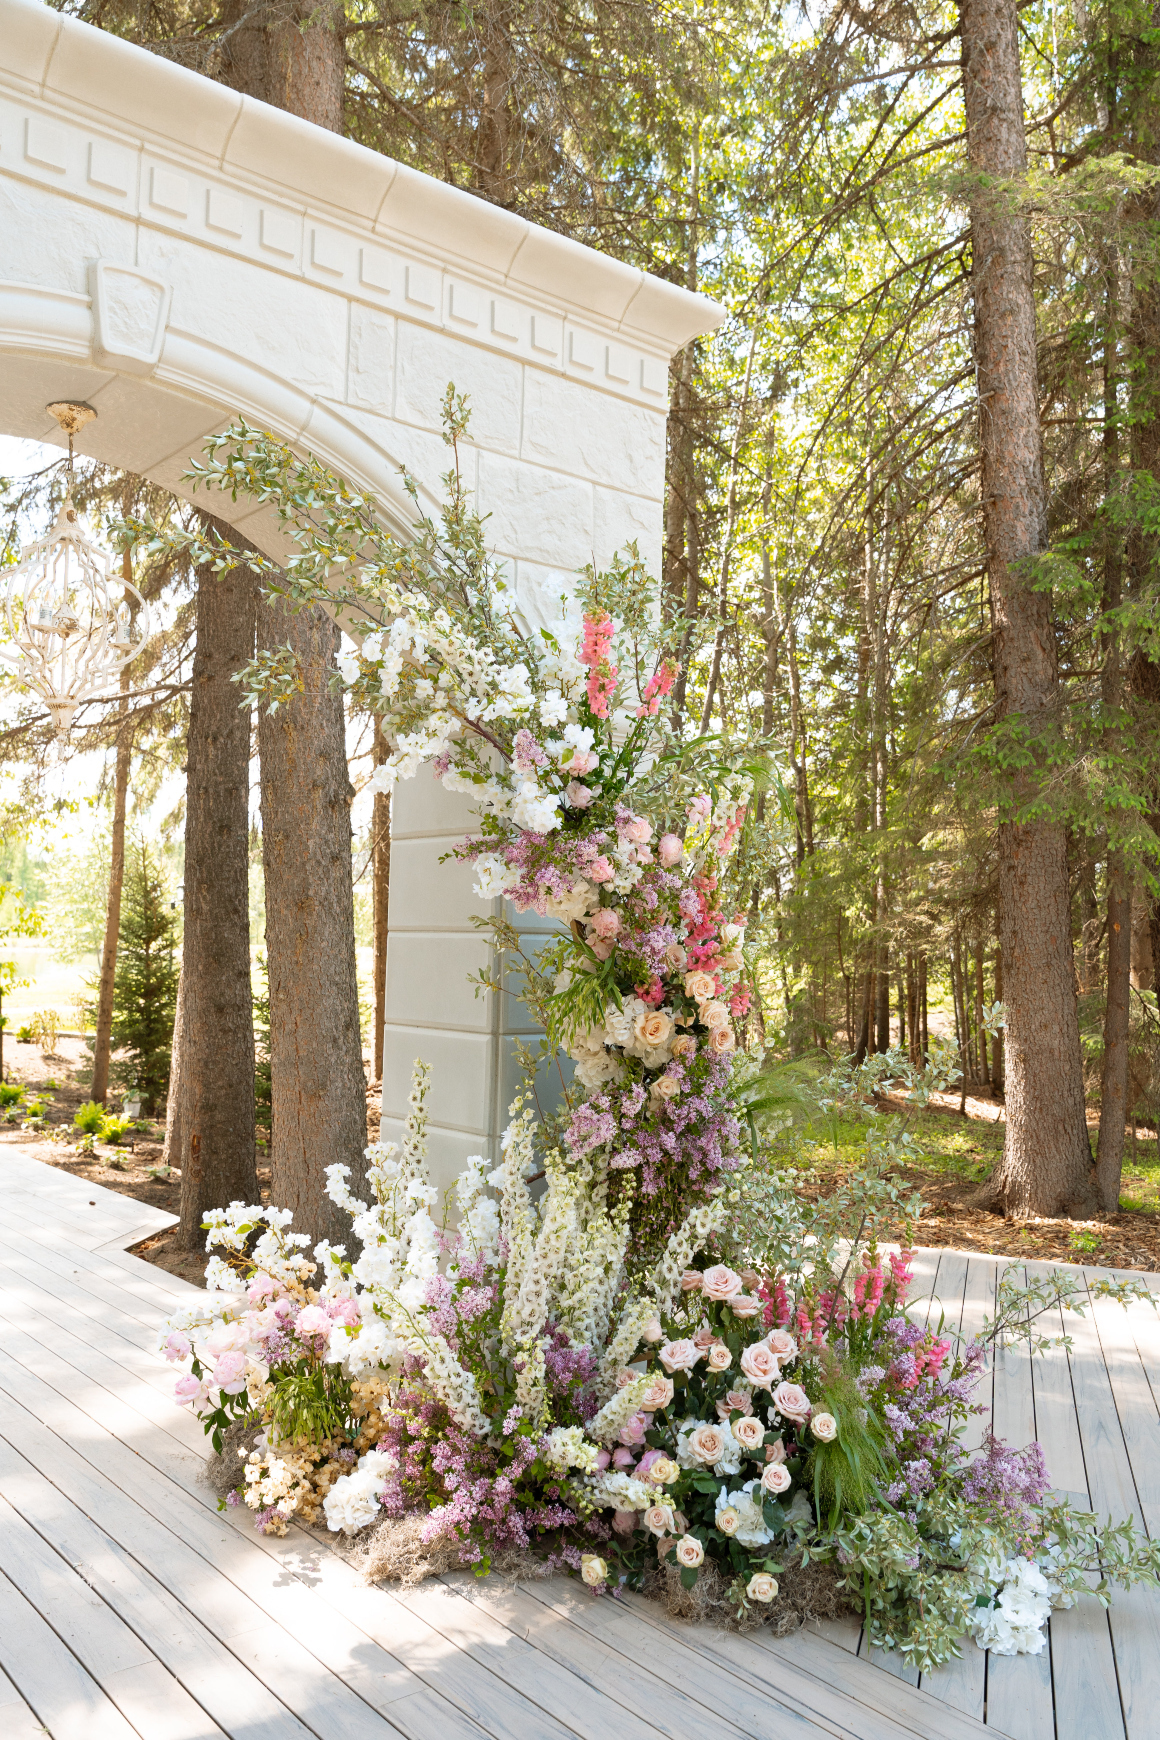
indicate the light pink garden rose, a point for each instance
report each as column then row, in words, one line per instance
column 670, row 850
column 578, row 795
column 624, row 1521
column 720, row 1282
column 691, row 1281
column 690, row 1552
column 744, row 1305
column 637, row 829
column 791, row 1401
column 634, row 1429
column 776, row 1477
column 622, row 1458
column 704, row 1338
column 775, row 1452
column 679, row 1356
column 652, row 1330
column 732, row 1400
column 759, row 1365
column 707, row 1444
column 653, row 1028
column 720, row 1358
column 657, row 1395
column 824, row 1427
column 748, row 1431
column 600, row 870
column 605, row 922
column 722, row 1041
column 229, row 1372
column 761, row 1586
column 783, row 1344
column 659, row 1520
column 190, row 1390
column 345, row 1311
column 700, row 986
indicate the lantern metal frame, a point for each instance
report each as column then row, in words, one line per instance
column 73, row 628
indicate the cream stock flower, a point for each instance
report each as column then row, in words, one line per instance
column 593, row 1570
column 748, row 1431
column 761, row 1586
column 658, row 1394
column 776, row 1477
column 690, row 1552
column 679, row 1356
column 720, row 1282
column 759, row 1364
column 791, row 1401
column 700, row 986
column 824, row 1427
column 722, row 1041
column 653, row 1028
column 720, row 1358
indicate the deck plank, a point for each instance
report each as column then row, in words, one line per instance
column 48, row 1676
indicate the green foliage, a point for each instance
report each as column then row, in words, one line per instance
column 89, row 1118
column 145, row 983
column 11, row 1094
column 112, row 1129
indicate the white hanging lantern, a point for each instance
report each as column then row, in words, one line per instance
column 71, row 623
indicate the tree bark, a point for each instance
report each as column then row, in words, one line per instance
column 216, row 1105
column 1046, row 1166
column 319, row 1090
column 171, row 1155
column 380, row 898
column 290, row 55
column 103, row 1044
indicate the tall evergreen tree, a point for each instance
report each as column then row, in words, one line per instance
column 145, row 986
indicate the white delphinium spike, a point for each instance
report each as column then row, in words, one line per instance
column 526, row 1313
column 699, row 1224
column 623, row 1346
column 478, row 1214
column 517, row 1217
column 617, row 1411
column 454, row 1385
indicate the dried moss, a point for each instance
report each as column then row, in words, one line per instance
column 805, row 1593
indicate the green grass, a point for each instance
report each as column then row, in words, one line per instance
column 952, row 1147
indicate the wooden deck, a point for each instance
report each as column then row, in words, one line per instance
column 130, row 1606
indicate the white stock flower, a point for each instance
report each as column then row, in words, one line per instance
column 567, row 1447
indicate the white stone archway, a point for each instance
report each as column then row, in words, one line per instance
column 176, row 253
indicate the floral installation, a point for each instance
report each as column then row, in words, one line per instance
column 664, row 1367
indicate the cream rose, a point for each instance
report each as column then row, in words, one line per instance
column 666, row 1087
column 759, row 1364
column 663, row 1471
column 761, row 1586
column 720, row 1358
column 675, row 956
column 783, row 1344
column 700, row 986
column 722, row 1041
column 707, row 1444
column 720, row 1282
column 684, row 1045
column 679, row 1356
column 748, row 1431
column 690, row 1552
column 824, row 1427
column 593, row 1570
column 727, row 1520
column 691, row 1281
column 658, row 1394
column 791, row 1401
column 744, row 1305
column 776, row 1477
column 733, row 960
column 653, row 1028
column 658, row 1519
column 713, row 1014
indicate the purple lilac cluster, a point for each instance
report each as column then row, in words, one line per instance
column 921, row 1393
column 696, row 1131
column 549, row 865
column 1008, row 1482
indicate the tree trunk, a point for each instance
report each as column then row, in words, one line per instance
column 171, row 1155
column 291, row 57
column 319, row 1090
column 381, row 871
column 1046, row 1165
column 103, row 1044
column 215, row 1107
column 980, row 1001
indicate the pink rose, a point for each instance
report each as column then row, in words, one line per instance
column 670, row 850
column 312, row 1320
column 658, row 1394
column 748, row 1431
column 229, row 1372
column 579, row 796
column 744, row 1305
column 783, row 1344
column 652, row 1331
column 603, row 1458
column 690, row 1552
column 691, row 1281
column 732, row 1400
column 622, row 1458
column 775, row 1452
column 261, row 1287
column 720, row 1358
column 177, row 1346
column 720, row 1282
column 624, row 1521
column 776, row 1477
column 707, row 1444
column 190, row 1390
column 704, row 1338
column 791, row 1401
column 600, row 870
column 722, row 1041
column 759, row 1365
column 605, row 922
column 679, row 1356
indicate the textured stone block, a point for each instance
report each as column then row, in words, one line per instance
column 533, row 513
column 592, row 434
column 428, row 361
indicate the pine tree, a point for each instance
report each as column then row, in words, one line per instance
column 145, row 986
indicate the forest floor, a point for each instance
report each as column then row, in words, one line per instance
column 958, row 1152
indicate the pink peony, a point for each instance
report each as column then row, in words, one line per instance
column 579, row 796
column 624, row 1521
column 670, row 850
column 605, row 922
column 312, row 1320
column 229, row 1372
column 177, row 1345
column 600, row 870
column 189, row 1390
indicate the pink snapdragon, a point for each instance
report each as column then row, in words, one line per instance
column 656, row 689
column 595, row 652
column 868, row 1289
